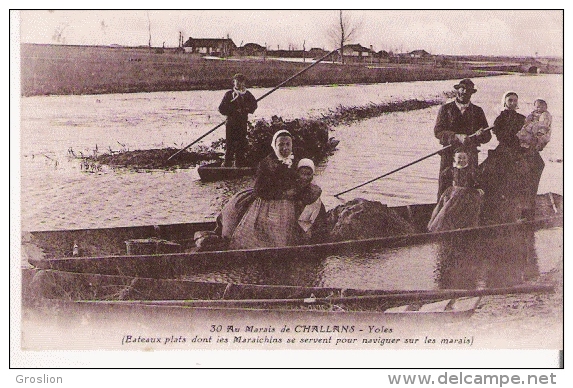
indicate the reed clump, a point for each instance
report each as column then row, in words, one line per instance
column 311, row 139
column 347, row 115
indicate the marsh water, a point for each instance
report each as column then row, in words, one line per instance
column 57, row 194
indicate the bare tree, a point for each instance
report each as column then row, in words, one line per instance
column 149, row 28
column 103, row 26
column 58, row 35
column 343, row 31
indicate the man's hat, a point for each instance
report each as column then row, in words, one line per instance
column 467, row 84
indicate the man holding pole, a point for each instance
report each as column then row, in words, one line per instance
column 236, row 105
column 253, row 106
column 456, row 122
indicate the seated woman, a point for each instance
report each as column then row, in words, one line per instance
column 310, row 209
column 270, row 221
column 459, row 206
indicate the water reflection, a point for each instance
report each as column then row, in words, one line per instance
column 277, row 271
column 503, row 260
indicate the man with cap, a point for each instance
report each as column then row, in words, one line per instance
column 456, row 121
column 236, row 105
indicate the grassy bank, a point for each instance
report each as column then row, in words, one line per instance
column 62, row 70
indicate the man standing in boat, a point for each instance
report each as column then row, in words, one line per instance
column 236, row 105
column 456, row 121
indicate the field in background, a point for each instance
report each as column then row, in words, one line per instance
column 64, row 70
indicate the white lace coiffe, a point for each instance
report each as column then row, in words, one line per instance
column 288, row 160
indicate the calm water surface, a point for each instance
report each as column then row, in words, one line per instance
column 484, row 262
column 56, row 194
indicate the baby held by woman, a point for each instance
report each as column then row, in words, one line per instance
column 536, row 132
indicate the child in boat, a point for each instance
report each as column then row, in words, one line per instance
column 236, row 105
column 459, row 206
column 310, row 209
column 536, row 132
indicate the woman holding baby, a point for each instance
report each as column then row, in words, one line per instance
column 511, row 173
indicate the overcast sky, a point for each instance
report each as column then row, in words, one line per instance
column 493, row 32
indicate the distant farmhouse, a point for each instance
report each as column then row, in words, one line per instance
column 353, row 53
column 316, row 52
column 210, row 46
column 419, row 54
column 356, row 50
column 251, row 49
column 414, row 57
column 356, row 53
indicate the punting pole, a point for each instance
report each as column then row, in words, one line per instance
column 404, row 166
column 259, row 99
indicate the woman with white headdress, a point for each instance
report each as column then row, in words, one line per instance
column 271, row 219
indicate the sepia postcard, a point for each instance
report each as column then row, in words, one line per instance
column 269, row 188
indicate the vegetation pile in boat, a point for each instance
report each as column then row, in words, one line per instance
column 311, row 139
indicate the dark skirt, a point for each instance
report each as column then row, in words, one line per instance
column 458, row 207
column 447, row 159
column 234, row 210
column 510, row 179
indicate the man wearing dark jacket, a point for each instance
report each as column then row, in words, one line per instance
column 456, row 121
column 236, row 105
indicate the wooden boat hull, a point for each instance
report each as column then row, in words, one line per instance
column 453, row 309
column 76, row 301
column 59, row 285
column 47, row 286
column 215, row 172
column 103, row 251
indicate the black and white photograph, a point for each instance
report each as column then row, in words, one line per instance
column 232, row 183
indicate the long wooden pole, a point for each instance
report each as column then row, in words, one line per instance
column 392, row 172
column 403, row 167
column 259, row 99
